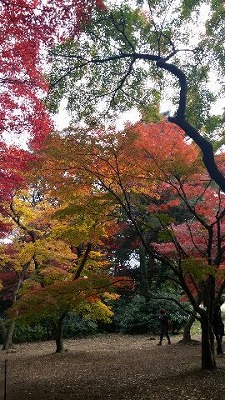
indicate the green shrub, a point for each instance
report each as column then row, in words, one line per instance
column 30, row 333
column 139, row 315
column 74, row 326
column 77, row 326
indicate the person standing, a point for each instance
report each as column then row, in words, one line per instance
column 218, row 328
column 164, row 326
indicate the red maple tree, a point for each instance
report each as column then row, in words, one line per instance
column 28, row 28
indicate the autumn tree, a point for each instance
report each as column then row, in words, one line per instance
column 151, row 183
column 193, row 247
column 197, row 249
column 31, row 250
column 85, row 296
column 29, row 29
column 14, row 163
column 114, row 164
column 142, row 54
column 59, row 231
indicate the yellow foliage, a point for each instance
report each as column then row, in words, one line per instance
column 111, row 296
column 96, row 262
column 96, row 311
column 27, row 253
column 47, row 250
column 10, row 255
column 52, row 275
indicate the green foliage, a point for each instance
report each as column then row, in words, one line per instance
column 112, row 67
column 150, row 112
column 77, row 326
column 139, row 315
column 132, row 316
column 116, row 32
column 74, row 326
column 199, row 269
column 165, row 235
column 31, row 333
column 189, row 6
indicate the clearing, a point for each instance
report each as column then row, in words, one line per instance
column 116, row 367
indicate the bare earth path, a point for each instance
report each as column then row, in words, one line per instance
column 110, row 367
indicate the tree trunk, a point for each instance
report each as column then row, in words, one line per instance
column 187, row 329
column 7, row 341
column 59, row 343
column 3, row 329
column 208, row 354
column 190, row 321
column 145, row 280
column 59, row 334
column 8, row 338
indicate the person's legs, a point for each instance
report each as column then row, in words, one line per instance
column 168, row 338
column 160, row 339
column 162, row 334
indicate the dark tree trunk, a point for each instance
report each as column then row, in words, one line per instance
column 8, row 338
column 59, row 343
column 3, row 329
column 145, row 277
column 59, row 333
column 208, row 354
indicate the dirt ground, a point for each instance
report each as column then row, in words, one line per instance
column 112, row 367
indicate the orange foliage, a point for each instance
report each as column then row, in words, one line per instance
column 123, row 282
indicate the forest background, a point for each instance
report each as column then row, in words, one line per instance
column 80, row 205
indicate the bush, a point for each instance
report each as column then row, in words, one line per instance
column 139, row 315
column 132, row 316
column 74, row 326
column 30, row 333
column 77, row 326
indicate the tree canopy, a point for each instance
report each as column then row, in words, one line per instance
column 142, row 53
column 29, row 28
